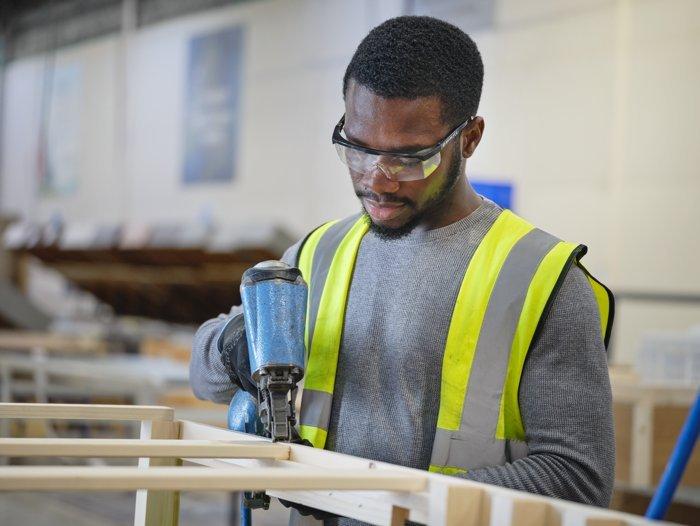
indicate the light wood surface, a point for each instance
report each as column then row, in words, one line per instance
column 439, row 504
column 648, row 418
column 528, row 512
column 51, row 342
column 399, row 516
column 163, row 348
column 152, row 507
column 96, row 447
column 82, row 478
column 594, row 521
column 458, row 505
column 668, row 422
column 374, row 492
column 86, row 412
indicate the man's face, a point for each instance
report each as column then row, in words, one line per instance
column 404, row 125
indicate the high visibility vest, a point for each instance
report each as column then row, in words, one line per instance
column 504, row 297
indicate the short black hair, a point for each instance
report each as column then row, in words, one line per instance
column 420, row 56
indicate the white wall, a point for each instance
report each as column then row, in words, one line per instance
column 99, row 182
column 591, row 110
column 287, row 172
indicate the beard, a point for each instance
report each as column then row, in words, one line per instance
column 452, row 174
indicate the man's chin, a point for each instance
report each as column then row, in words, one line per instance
column 391, row 229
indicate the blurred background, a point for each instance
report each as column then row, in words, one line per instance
column 152, row 150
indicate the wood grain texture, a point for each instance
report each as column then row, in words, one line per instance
column 158, row 508
column 28, row 341
column 453, row 505
column 399, row 516
column 375, row 492
column 86, row 412
column 88, row 478
column 528, row 512
column 622, row 413
column 113, row 448
column 428, row 507
column 641, row 447
column 668, row 422
column 602, row 521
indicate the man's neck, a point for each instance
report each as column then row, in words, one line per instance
column 459, row 203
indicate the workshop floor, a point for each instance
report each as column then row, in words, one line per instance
column 117, row 509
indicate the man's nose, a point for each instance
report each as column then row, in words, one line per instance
column 378, row 181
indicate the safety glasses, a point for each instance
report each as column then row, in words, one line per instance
column 396, row 166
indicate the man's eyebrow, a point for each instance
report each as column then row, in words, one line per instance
column 408, row 148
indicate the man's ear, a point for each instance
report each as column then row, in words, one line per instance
column 471, row 136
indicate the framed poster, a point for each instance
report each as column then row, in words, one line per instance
column 212, row 106
column 58, row 162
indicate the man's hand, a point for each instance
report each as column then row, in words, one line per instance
column 233, row 346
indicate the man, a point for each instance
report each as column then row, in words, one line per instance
column 445, row 333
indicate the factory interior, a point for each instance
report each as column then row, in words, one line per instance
column 152, row 152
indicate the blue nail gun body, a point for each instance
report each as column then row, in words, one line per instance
column 274, row 308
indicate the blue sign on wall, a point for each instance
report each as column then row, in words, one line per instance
column 499, row 193
column 212, row 107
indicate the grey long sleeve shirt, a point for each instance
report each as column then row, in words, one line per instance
column 387, row 388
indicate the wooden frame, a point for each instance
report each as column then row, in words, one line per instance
column 50, row 343
column 643, row 400
column 373, row 492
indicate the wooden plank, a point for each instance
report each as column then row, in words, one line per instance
column 117, row 273
column 158, row 508
column 491, row 506
column 527, row 512
column 457, row 505
column 89, row 478
column 375, row 492
column 628, row 389
column 164, row 348
column 51, row 342
column 399, row 516
column 604, row 521
column 640, row 451
column 622, row 414
column 86, row 412
column 113, row 448
column 668, row 422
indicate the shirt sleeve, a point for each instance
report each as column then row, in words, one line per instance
column 208, row 376
column 566, row 406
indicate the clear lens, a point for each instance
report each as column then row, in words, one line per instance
column 431, row 164
column 396, row 168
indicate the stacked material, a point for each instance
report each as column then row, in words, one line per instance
column 670, row 358
column 174, row 272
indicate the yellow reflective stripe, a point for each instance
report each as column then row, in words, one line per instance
column 320, row 373
column 603, row 300
column 306, row 258
column 306, row 261
column 469, row 311
column 446, row 470
column 510, row 425
column 315, row 435
column 606, row 304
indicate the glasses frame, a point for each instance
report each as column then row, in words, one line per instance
column 420, row 155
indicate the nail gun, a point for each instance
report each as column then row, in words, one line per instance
column 274, row 308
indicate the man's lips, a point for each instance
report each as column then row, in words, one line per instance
column 383, row 211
